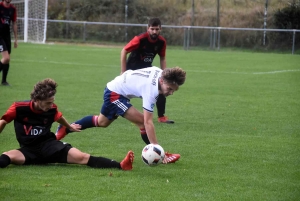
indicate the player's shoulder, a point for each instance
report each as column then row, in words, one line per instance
column 54, row 106
column 160, row 37
column 24, row 103
column 142, row 35
column 13, row 6
column 155, row 68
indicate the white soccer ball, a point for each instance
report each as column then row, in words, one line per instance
column 153, row 154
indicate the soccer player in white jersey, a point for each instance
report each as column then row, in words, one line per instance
column 146, row 83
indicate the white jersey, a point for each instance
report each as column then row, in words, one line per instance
column 141, row 83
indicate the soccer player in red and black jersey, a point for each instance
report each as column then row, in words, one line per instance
column 143, row 48
column 8, row 14
column 38, row 145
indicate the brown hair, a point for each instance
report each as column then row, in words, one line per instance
column 44, row 89
column 174, row 75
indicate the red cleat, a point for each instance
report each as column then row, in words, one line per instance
column 126, row 163
column 171, row 158
column 165, row 119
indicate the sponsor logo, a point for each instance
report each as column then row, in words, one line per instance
column 154, row 78
column 33, row 131
column 152, row 106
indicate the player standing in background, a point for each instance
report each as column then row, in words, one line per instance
column 143, row 48
column 38, row 145
column 147, row 84
column 8, row 14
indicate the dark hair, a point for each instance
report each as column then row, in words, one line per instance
column 153, row 22
column 174, row 75
column 44, row 89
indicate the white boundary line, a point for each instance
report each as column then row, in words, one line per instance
column 278, row 71
column 62, row 63
column 245, row 73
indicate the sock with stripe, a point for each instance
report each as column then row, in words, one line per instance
column 87, row 122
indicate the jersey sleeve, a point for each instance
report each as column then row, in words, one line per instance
column 14, row 18
column 58, row 114
column 149, row 95
column 10, row 113
column 133, row 44
column 148, row 104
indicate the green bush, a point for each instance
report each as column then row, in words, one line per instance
column 287, row 18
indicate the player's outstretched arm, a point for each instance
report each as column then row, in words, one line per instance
column 123, row 60
column 15, row 30
column 71, row 127
column 163, row 63
column 149, row 126
column 2, row 124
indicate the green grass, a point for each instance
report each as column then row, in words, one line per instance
column 237, row 128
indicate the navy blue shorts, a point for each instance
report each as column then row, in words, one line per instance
column 114, row 104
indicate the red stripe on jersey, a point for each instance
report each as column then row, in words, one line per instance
column 133, row 44
column 58, row 115
column 10, row 114
column 114, row 96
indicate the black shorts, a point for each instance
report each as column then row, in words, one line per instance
column 50, row 151
column 5, row 45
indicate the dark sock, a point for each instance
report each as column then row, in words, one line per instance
column 161, row 105
column 1, row 66
column 101, row 162
column 4, row 161
column 5, row 72
column 86, row 122
column 144, row 136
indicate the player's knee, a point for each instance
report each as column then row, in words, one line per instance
column 102, row 124
column 83, row 158
column 102, row 121
column 5, row 60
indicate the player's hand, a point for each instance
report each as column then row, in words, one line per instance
column 15, row 44
column 75, row 127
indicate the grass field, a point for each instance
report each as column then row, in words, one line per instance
column 237, row 128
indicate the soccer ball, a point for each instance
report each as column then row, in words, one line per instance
column 153, row 154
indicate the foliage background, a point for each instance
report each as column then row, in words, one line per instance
column 233, row 13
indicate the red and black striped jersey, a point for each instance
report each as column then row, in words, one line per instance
column 143, row 50
column 7, row 15
column 31, row 126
